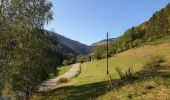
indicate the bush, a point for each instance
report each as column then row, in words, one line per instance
column 128, row 75
column 51, row 75
column 65, row 62
column 119, row 71
column 62, row 80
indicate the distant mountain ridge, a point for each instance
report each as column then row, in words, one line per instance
column 69, row 46
column 66, row 45
column 102, row 42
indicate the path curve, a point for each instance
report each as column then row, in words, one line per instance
column 53, row 82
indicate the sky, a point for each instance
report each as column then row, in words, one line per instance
column 88, row 21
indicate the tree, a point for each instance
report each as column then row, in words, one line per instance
column 157, row 27
column 26, row 58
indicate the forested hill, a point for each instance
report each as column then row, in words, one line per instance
column 156, row 28
column 103, row 42
column 66, row 45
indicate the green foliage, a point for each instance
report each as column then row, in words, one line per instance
column 62, row 80
column 83, row 58
column 27, row 55
column 51, row 75
column 63, row 69
column 100, row 51
column 128, row 75
column 157, row 27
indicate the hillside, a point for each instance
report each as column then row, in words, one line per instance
column 103, row 42
column 66, row 45
column 139, row 66
column 39, row 64
column 93, row 81
column 156, row 28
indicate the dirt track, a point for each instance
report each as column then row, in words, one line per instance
column 53, row 82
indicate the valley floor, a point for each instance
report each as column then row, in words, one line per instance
column 92, row 83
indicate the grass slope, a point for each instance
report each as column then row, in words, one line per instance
column 63, row 69
column 91, row 83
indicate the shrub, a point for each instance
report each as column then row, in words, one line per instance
column 65, row 62
column 51, row 75
column 128, row 75
column 119, row 71
column 62, row 80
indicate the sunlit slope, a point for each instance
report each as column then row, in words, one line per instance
column 91, row 81
column 132, row 58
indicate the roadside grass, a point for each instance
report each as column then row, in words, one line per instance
column 91, row 83
column 60, row 70
column 81, row 92
column 78, row 73
column 63, row 69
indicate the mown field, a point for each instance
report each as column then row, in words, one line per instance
column 92, row 82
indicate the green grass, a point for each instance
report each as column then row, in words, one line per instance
column 92, row 81
column 146, row 89
column 151, row 84
column 60, row 70
column 63, row 69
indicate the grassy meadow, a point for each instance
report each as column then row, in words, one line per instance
column 63, row 69
column 92, row 82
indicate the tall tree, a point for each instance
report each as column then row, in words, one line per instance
column 25, row 56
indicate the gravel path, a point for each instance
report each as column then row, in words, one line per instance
column 53, row 82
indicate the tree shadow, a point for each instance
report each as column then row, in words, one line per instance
column 161, row 71
column 82, row 92
column 164, row 72
column 94, row 90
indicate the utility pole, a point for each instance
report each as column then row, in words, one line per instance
column 107, row 53
column 80, row 65
column 97, row 60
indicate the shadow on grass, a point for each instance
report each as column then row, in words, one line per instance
column 94, row 90
column 164, row 72
column 161, row 71
column 82, row 92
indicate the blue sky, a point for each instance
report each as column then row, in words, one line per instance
column 87, row 21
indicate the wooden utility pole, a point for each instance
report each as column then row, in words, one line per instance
column 107, row 53
column 80, row 65
column 97, row 62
